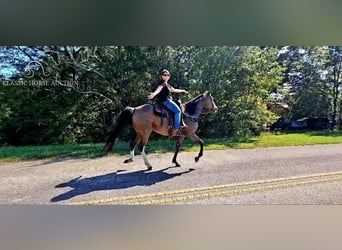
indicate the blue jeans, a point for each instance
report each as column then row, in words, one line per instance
column 174, row 108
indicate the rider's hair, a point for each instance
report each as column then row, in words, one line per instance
column 165, row 71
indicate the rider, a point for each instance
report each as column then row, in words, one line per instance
column 163, row 93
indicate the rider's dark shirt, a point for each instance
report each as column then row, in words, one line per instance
column 164, row 94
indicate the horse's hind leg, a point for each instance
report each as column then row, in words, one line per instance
column 142, row 145
column 135, row 140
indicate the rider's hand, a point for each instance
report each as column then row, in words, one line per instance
column 150, row 96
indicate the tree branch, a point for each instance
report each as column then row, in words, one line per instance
column 60, row 83
column 26, row 54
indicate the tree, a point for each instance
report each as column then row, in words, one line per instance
column 334, row 79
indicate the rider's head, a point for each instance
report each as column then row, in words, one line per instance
column 165, row 72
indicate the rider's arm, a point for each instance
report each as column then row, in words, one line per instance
column 178, row 91
column 156, row 92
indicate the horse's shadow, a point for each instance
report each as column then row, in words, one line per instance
column 115, row 180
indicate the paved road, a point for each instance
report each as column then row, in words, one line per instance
column 284, row 175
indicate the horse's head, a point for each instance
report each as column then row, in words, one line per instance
column 208, row 102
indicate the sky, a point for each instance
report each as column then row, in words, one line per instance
column 7, row 71
column 12, row 56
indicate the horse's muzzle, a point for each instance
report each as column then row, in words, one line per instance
column 215, row 109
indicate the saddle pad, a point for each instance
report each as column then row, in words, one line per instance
column 161, row 110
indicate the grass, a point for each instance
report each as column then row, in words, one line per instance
column 10, row 154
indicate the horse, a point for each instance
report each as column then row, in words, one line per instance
column 145, row 121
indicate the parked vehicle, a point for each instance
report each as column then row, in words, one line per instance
column 317, row 123
column 298, row 124
column 313, row 123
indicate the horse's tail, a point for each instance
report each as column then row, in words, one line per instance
column 124, row 118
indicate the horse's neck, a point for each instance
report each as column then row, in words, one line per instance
column 198, row 109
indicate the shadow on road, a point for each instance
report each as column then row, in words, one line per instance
column 116, row 180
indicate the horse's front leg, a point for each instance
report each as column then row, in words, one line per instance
column 198, row 140
column 180, row 140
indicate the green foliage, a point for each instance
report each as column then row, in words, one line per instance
column 72, row 94
column 312, row 76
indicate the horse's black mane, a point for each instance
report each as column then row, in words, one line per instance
column 190, row 107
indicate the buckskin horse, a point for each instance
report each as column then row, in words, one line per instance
column 144, row 120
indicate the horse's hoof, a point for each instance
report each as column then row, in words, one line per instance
column 177, row 164
column 149, row 168
column 128, row 161
column 196, row 159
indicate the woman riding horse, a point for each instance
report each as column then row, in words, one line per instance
column 163, row 93
column 144, row 121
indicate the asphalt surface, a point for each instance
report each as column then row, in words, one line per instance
column 282, row 175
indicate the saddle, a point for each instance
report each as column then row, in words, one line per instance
column 161, row 110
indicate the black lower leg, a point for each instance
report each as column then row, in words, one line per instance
column 174, row 159
column 200, row 154
column 134, row 141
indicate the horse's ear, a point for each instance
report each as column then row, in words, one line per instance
column 206, row 93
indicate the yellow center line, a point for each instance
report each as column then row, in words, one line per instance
column 212, row 191
column 228, row 193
